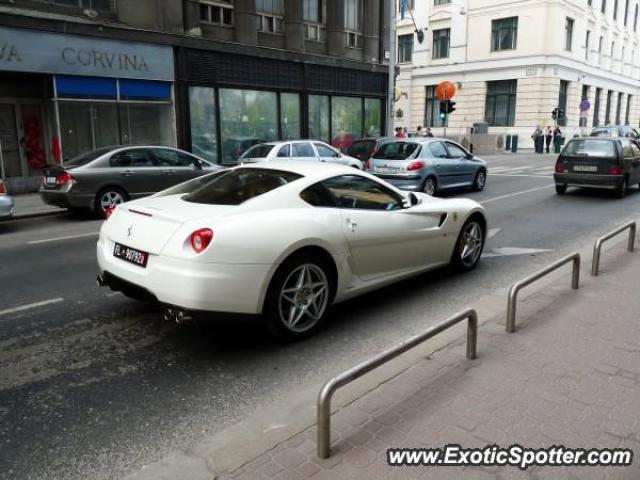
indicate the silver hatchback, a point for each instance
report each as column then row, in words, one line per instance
column 428, row 165
column 6, row 202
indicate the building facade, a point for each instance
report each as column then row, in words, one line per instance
column 209, row 76
column 515, row 63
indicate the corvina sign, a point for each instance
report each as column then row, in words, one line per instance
column 30, row 51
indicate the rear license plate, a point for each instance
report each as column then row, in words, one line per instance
column 387, row 170
column 131, row 255
column 50, row 180
column 585, row 168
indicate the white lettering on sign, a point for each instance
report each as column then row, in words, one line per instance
column 9, row 53
column 106, row 60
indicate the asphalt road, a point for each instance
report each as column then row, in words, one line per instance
column 93, row 385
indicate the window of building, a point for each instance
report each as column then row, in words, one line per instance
column 441, row 2
column 353, row 23
column 441, row 43
column 217, row 12
column 202, row 112
column 587, row 46
column 408, row 5
column 289, row 116
column 626, row 12
column 504, row 34
column 247, row 117
column 500, row 107
column 613, row 48
column 619, row 108
column 314, row 14
column 615, row 9
column 405, row 48
column 346, row 121
column 562, row 102
column 622, row 55
column 635, row 19
column 596, row 108
column 603, row 6
column 627, row 113
column 600, row 42
column 568, row 33
column 319, row 117
column 590, row 3
column 106, row 5
column 432, row 109
column 270, row 15
column 607, row 110
column 372, row 117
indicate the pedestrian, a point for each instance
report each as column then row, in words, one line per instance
column 428, row 133
column 538, row 138
column 548, row 136
column 399, row 133
column 419, row 132
column 557, row 137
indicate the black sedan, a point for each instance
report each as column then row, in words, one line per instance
column 610, row 163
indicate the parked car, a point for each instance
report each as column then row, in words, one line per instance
column 304, row 150
column 428, row 165
column 233, row 148
column 6, row 202
column 623, row 131
column 364, row 148
column 281, row 239
column 102, row 178
column 610, row 163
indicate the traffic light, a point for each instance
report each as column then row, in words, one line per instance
column 443, row 108
column 451, row 106
column 554, row 114
column 560, row 113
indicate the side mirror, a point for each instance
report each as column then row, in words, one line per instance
column 469, row 156
column 198, row 164
column 413, row 199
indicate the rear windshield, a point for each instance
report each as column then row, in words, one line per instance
column 590, row 148
column 257, row 151
column 396, row 150
column 236, row 186
column 86, row 157
column 361, row 149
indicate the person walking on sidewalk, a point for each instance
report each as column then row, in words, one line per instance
column 538, row 138
column 548, row 136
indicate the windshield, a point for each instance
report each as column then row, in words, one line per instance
column 257, row 151
column 396, row 150
column 86, row 157
column 590, row 148
column 234, row 187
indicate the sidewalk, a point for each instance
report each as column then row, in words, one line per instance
column 31, row 205
column 569, row 376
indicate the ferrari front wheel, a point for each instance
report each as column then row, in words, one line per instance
column 469, row 245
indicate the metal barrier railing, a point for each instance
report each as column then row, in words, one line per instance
column 516, row 287
column 329, row 388
column 597, row 247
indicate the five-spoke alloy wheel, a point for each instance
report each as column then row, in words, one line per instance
column 469, row 245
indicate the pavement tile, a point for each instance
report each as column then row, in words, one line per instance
column 290, row 458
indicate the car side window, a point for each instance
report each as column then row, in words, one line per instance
column 636, row 149
column 132, row 159
column 185, row 160
column 318, row 196
column 455, row 151
column 285, row 151
column 627, row 152
column 354, row 191
column 302, row 150
column 172, row 158
column 325, row 151
column 437, row 150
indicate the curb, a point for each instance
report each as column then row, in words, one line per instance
column 47, row 213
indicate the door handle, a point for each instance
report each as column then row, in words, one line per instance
column 168, row 172
column 127, row 173
column 352, row 224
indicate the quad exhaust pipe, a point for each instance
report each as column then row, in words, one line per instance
column 100, row 281
column 177, row 315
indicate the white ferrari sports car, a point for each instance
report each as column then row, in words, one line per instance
column 281, row 239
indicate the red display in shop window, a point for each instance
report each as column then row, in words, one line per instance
column 36, row 157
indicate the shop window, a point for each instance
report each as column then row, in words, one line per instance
column 504, row 34
column 372, row 117
column 202, row 113
column 607, row 108
column 500, row 106
column 314, row 14
column 270, row 16
column 290, row 116
column 346, row 121
column 596, row 108
column 247, row 117
column 627, row 112
column 319, row 117
column 146, row 124
column 217, row 12
column 86, row 126
column 562, row 102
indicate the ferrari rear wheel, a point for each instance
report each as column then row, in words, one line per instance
column 469, row 245
column 298, row 298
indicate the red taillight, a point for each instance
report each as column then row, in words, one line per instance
column 200, row 239
column 3, row 189
column 366, row 164
column 415, row 166
column 64, row 178
column 615, row 170
column 559, row 168
column 108, row 211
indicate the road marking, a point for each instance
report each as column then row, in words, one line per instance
column 57, row 239
column 515, row 194
column 31, row 305
column 492, row 233
column 507, row 251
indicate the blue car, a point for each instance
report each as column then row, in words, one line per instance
column 428, row 165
